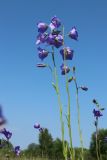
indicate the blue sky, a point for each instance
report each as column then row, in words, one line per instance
column 26, row 93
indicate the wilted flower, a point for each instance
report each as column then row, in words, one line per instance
column 55, row 23
column 73, row 33
column 56, row 40
column 42, row 27
column 6, row 133
column 84, row 88
column 42, row 53
column 41, row 38
column 37, row 126
column 67, row 53
column 97, row 113
column 2, row 119
column 17, row 150
column 65, row 69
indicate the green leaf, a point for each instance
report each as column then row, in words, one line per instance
column 54, row 86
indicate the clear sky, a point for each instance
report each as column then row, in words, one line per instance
column 26, row 93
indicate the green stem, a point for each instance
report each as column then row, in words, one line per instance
column 69, row 107
column 69, row 120
column 59, row 103
column 79, row 128
column 97, row 148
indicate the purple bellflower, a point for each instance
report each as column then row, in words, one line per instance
column 73, row 34
column 17, row 150
column 97, row 113
column 6, row 133
column 42, row 53
column 55, row 23
column 37, row 126
column 65, row 69
column 42, row 38
column 67, row 53
column 55, row 40
column 42, row 27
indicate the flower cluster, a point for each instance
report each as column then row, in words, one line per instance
column 52, row 35
column 37, row 126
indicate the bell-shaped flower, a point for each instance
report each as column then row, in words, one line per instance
column 37, row 125
column 6, row 133
column 67, row 53
column 41, row 38
column 42, row 27
column 42, row 53
column 73, row 34
column 17, row 150
column 64, row 69
column 55, row 23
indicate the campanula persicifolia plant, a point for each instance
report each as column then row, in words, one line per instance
column 97, row 114
column 53, row 36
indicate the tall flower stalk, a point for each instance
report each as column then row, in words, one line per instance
column 56, row 86
column 97, row 114
column 78, row 112
column 69, row 101
column 56, row 39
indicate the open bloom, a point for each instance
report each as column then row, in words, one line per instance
column 6, row 133
column 73, row 33
column 17, row 150
column 37, row 126
column 97, row 113
column 55, row 40
column 55, row 23
column 42, row 53
column 67, row 53
column 42, row 27
column 65, row 69
column 41, row 38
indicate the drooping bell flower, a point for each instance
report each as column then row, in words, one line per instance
column 67, row 53
column 17, row 150
column 55, row 23
column 2, row 119
column 55, row 40
column 73, row 34
column 97, row 113
column 42, row 53
column 65, row 69
column 42, row 27
column 37, row 126
column 6, row 133
column 42, row 38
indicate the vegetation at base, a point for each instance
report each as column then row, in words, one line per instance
column 49, row 149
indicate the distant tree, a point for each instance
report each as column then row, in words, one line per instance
column 102, row 144
column 57, row 149
column 6, row 148
column 33, row 150
column 46, row 143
